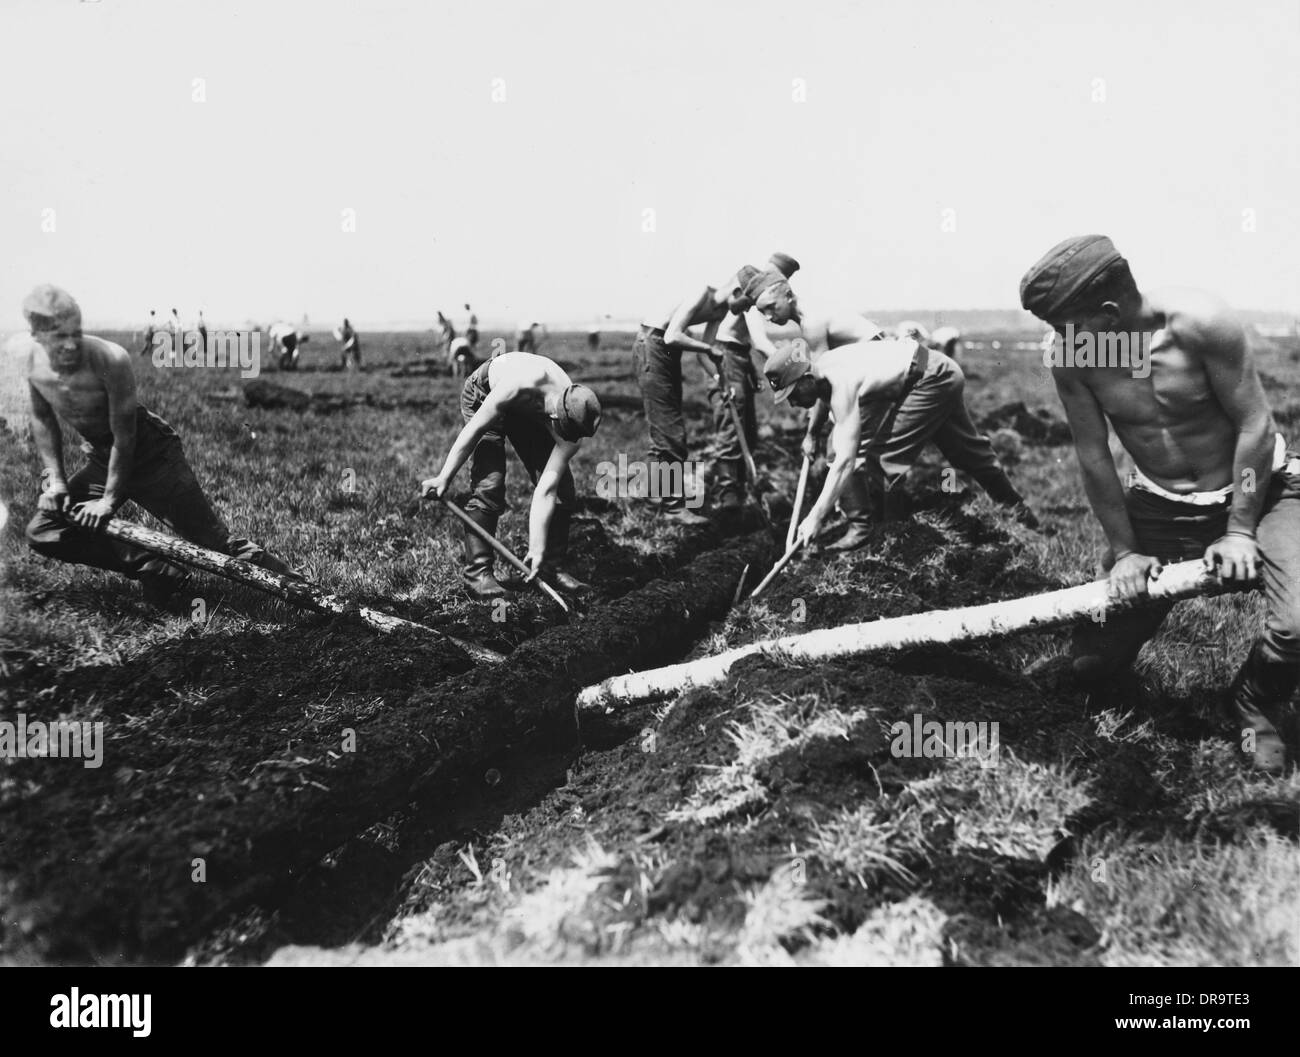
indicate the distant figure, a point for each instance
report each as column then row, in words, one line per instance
column 948, row 341
column 446, row 332
column 910, row 328
column 461, row 358
column 471, row 329
column 351, row 346
column 202, row 327
column 174, row 325
column 530, row 336
column 593, row 337
column 286, row 342
column 150, row 329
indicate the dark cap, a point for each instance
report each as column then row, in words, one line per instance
column 1064, row 273
column 578, row 413
column 784, row 263
column 1056, row 281
column 785, row 368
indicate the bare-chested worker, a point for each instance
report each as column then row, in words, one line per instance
column 738, row 337
column 888, row 399
column 529, row 399
column 1212, row 476
column 286, row 341
column 132, row 454
column 657, row 352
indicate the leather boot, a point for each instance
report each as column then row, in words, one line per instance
column 479, row 558
column 1259, row 692
column 167, row 587
column 1000, row 489
column 675, row 511
column 557, row 550
column 855, row 504
column 729, row 485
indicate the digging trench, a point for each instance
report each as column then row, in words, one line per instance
column 136, row 898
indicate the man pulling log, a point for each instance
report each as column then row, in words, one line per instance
column 888, row 400
column 530, row 400
column 1213, row 478
column 132, row 454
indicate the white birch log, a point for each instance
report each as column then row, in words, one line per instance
column 299, row 592
column 1053, row 609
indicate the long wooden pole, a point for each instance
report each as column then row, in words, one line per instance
column 798, row 502
column 1182, row 580
column 781, row 563
column 299, row 592
column 504, row 551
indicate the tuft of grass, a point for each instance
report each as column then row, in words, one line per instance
column 907, row 933
column 1016, row 809
column 772, row 724
column 1177, row 903
column 778, row 912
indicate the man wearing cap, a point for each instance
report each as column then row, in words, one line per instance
column 529, row 399
column 737, row 337
column 657, row 352
column 132, row 454
column 888, row 399
column 1212, row 476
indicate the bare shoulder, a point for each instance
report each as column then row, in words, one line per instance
column 1198, row 320
column 107, row 356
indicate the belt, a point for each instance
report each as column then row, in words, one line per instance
column 1137, row 479
column 739, row 346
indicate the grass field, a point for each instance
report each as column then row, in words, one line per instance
column 766, row 822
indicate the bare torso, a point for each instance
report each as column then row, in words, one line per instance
column 79, row 397
column 1170, row 421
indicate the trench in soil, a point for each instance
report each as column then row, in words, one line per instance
column 601, row 784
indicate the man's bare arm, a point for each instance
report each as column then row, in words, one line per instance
column 1102, row 485
column 119, row 381
column 542, row 510
column 1235, row 383
column 466, row 441
column 49, row 439
column 844, row 438
column 757, row 327
column 675, row 334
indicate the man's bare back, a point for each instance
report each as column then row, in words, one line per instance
column 863, row 370
column 524, row 380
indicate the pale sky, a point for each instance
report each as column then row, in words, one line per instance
column 839, row 132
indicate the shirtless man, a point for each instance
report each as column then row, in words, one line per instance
column 351, row 346
column 738, row 337
column 1212, row 477
column 285, row 340
column 888, row 399
column 529, row 399
column 658, row 349
column 133, row 454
